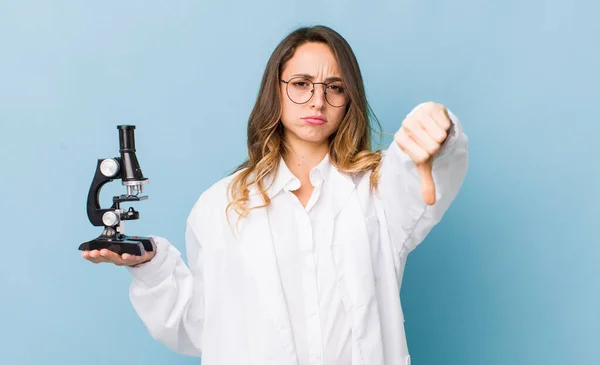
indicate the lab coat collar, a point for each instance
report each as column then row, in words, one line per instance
column 284, row 179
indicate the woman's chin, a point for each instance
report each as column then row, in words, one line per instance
column 320, row 139
column 310, row 135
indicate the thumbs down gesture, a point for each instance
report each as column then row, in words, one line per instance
column 421, row 135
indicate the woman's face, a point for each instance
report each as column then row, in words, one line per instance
column 315, row 120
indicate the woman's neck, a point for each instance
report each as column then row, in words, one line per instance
column 301, row 157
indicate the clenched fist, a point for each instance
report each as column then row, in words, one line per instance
column 421, row 135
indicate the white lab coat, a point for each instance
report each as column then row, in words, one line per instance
column 227, row 305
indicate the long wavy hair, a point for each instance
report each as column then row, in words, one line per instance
column 349, row 146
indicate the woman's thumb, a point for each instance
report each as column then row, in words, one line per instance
column 427, row 185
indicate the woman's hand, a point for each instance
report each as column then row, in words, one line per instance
column 104, row 255
column 422, row 134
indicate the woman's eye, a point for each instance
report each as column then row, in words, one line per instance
column 336, row 88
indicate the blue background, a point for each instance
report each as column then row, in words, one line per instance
column 510, row 276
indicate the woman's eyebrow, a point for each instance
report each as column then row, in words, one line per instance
column 311, row 77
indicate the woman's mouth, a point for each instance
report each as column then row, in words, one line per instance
column 315, row 120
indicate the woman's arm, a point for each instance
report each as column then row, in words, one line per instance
column 409, row 217
column 169, row 296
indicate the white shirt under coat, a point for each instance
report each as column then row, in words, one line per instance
column 298, row 285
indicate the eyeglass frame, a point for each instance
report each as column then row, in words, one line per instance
column 312, row 92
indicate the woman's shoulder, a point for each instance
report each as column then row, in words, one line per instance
column 217, row 193
column 213, row 199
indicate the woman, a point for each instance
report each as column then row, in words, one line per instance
column 297, row 257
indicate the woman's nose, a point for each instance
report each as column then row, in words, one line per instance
column 318, row 97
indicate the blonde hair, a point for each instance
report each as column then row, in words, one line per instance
column 349, row 146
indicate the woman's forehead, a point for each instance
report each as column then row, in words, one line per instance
column 314, row 59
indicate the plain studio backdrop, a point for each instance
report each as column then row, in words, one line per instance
column 510, row 276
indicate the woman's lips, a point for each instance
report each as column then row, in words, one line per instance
column 314, row 120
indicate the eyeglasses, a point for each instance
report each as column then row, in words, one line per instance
column 300, row 90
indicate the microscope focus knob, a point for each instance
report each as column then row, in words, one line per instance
column 109, row 167
column 110, row 219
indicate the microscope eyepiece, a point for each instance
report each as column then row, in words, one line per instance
column 126, row 138
column 131, row 174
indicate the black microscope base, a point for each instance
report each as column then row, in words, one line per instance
column 136, row 246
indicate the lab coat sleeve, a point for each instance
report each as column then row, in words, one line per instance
column 169, row 296
column 409, row 218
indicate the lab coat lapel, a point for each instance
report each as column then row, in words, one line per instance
column 351, row 253
column 256, row 247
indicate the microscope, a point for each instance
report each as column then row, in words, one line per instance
column 127, row 169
